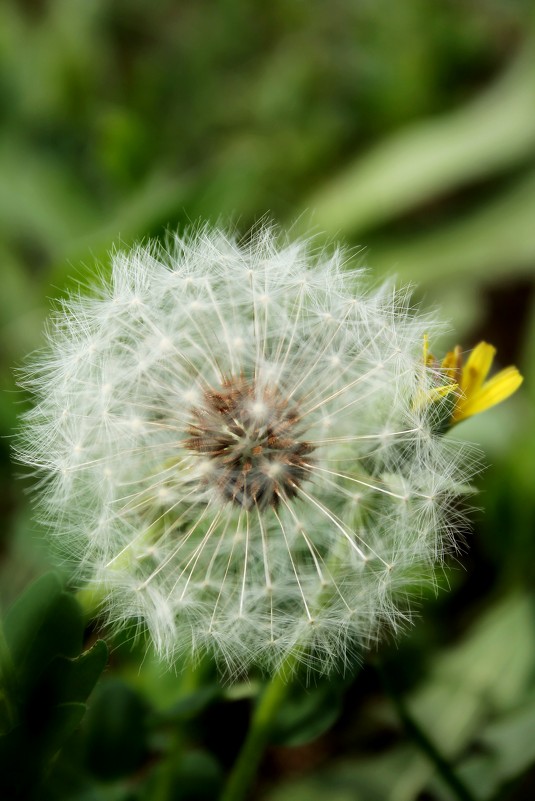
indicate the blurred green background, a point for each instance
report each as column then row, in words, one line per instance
column 405, row 130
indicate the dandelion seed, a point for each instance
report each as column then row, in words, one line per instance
column 231, row 446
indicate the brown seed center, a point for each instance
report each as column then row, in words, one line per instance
column 252, row 438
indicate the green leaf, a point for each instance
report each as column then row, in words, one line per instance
column 192, row 704
column 495, row 240
column 195, row 776
column 307, row 714
column 372, row 779
column 25, row 750
column 50, row 680
column 28, row 613
column 115, row 731
column 44, row 623
column 64, row 721
column 73, row 679
column 493, row 132
column 506, row 749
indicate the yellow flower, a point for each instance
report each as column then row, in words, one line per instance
column 452, row 374
column 475, row 393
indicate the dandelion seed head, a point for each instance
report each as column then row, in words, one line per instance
column 228, row 445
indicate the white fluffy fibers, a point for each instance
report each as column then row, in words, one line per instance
column 233, row 444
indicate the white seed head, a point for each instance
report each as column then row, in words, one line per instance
column 229, row 444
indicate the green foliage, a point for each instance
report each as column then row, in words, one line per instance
column 308, row 712
column 115, row 733
column 46, row 681
column 489, row 134
column 405, row 127
column 465, row 684
column 196, row 776
column 44, row 622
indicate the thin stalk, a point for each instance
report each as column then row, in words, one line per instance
column 424, row 743
column 262, row 722
column 261, row 726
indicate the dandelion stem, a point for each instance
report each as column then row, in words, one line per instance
column 423, row 742
column 244, row 771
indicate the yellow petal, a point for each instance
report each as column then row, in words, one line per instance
column 500, row 387
column 451, row 364
column 477, row 368
column 428, row 358
column 440, row 392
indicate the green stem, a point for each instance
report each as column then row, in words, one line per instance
column 246, row 765
column 426, row 746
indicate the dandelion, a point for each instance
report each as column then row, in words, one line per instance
column 229, row 448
